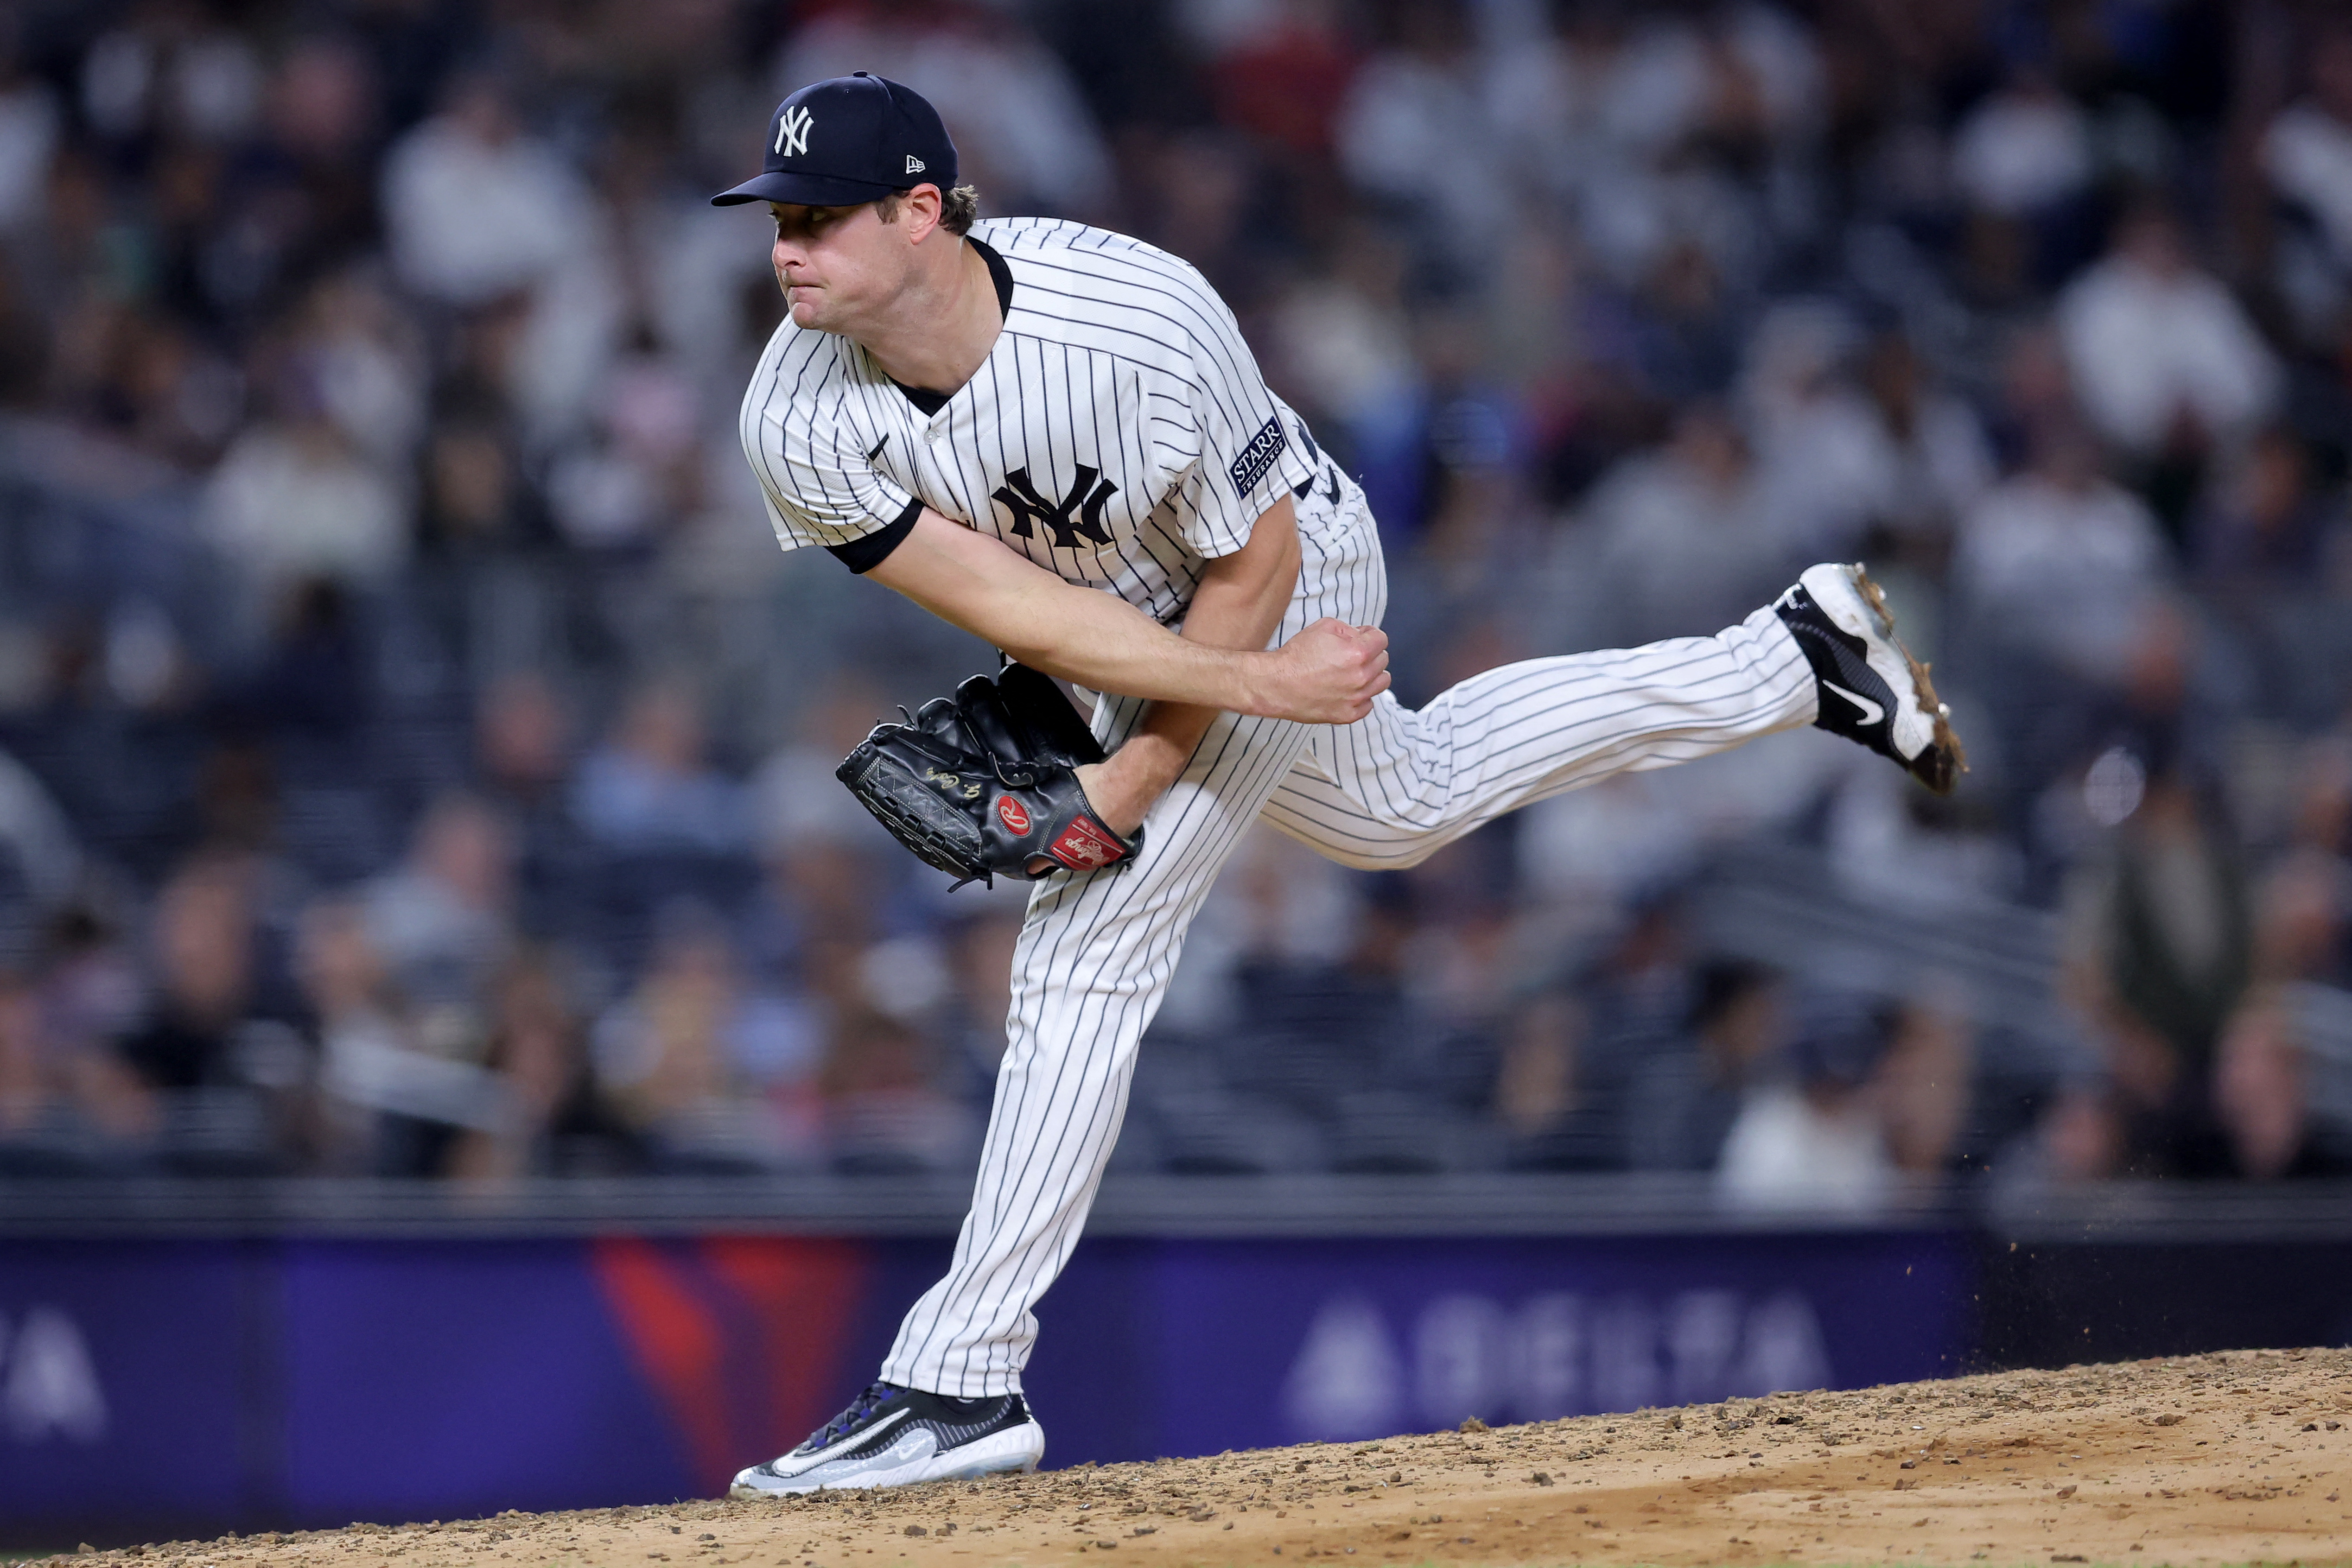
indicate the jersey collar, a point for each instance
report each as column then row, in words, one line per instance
column 926, row 402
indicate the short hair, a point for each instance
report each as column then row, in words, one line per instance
column 958, row 208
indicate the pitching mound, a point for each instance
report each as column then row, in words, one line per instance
column 2224, row 1459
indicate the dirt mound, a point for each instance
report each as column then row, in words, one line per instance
column 2224, row 1459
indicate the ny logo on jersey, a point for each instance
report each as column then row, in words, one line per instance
column 1086, row 498
column 792, row 131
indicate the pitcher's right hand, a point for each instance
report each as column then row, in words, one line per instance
column 1329, row 674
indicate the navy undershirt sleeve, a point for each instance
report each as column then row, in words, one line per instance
column 863, row 554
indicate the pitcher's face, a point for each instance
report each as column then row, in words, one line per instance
column 838, row 266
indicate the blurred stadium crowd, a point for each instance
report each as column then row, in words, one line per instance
column 415, row 756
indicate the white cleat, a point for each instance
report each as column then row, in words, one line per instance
column 893, row 1437
column 1872, row 690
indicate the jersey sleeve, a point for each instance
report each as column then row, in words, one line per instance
column 1249, row 454
column 815, row 465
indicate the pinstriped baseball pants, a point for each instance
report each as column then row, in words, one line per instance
column 1095, row 951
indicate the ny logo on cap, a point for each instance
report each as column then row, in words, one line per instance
column 792, row 131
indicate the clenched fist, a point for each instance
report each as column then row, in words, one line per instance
column 1329, row 674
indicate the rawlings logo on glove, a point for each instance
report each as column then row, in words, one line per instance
column 984, row 784
column 1085, row 845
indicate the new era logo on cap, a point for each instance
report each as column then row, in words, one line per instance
column 879, row 137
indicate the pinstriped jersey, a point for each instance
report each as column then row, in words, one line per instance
column 1118, row 434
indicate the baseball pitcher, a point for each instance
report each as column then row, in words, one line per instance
column 1055, row 437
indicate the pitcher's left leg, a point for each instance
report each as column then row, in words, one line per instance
column 1095, row 957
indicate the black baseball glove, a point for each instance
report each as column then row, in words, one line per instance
column 983, row 784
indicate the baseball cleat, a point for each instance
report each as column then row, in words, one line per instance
column 893, row 1437
column 1872, row 690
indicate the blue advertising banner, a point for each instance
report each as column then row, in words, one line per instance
column 170, row 1388
column 136, row 1382
column 454, row 1379
column 1263, row 1342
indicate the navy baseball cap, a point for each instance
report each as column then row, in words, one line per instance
column 848, row 139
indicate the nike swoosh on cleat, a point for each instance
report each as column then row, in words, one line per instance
column 855, row 1439
column 1871, row 712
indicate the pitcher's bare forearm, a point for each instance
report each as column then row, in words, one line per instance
column 1327, row 675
